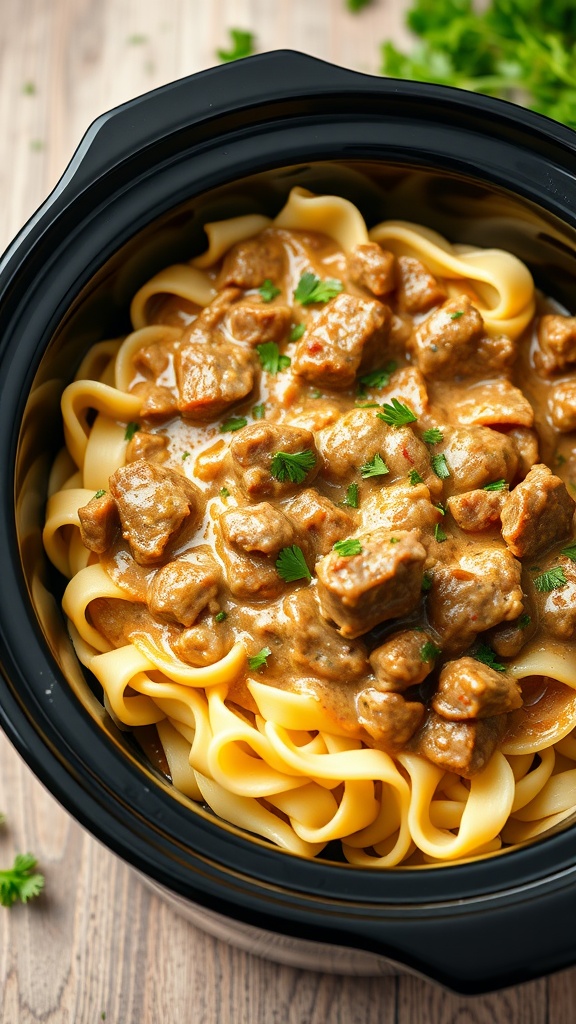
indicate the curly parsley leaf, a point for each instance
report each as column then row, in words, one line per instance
column 268, row 290
column 291, row 565
column 351, row 499
column 21, row 881
column 312, row 289
column 270, row 358
column 415, row 478
column 396, row 414
column 429, row 651
column 496, row 485
column 377, row 378
column 348, row 547
column 486, row 655
column 374, row 467
column 440, row 466
column 234, row 423
column 433, row 436
column 550, row 580
column 259, row 661
column 242, row 45
column 292, row 466
column 131, row 429
column 570, row 552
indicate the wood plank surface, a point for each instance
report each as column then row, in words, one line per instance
column 98, row 945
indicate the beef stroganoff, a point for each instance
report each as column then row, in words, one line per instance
column 317, row 519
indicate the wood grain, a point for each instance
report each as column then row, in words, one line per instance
column 98, row 942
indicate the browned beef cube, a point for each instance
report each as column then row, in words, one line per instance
column 248, row 264
column 259, row 322
column 202, row 644
column 373, row 268
column 480, row 592
column 182, row 589
column 460, row 747
column 557, row 344
column 447, row 341
column 492, row 403
column 151, row 447
column 526, row 442
column 508, row 639
column 536, row 513
column 99, row 522
column 319, row 522
column 476, row 456
column 153, row 503
column 252, row 450
column 468, row 689
column 382, row 582
column 152, row 360
column 408, row 386
column 403, row 660
column 158, row 403
column 211, row 378
column 317, row 649
column 388, row 718
column 400, row 507
column 212, row 315
column 346, row 334
column 557, row 608
column 562, row 406
column 417, row 290
column 477, row 510
column 250, row 541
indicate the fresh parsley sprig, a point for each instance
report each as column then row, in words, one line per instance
column 439, row 534
column 570, row 552
column 21, row 881
column 550, row 580
column 268, row 290
column 374, row 467
column 396, row 414
column 496, row 485
column 270, row 358
column 351, row 499
column 377, row 378
column 312, row 289
column 291, row 565
column 440, row 466
column 296, row 332
column 429, row 651
column 433, row 436
column 347, row 548
column 242, row 45
column 415, row 478
column 486, row 655
column 234, row 423
column 259, row 661
column 131, row 429
column 292, row 466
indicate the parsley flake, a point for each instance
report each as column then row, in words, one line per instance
column 457, row 314
column 354, row 6
column 367, row 405
column 550, row 580
column 374, row 467
column 348, row 547
column 524, row 621
column 415, row 478
column 296, row 332
column 377, row 378
column 496, row 485
column 486, row 655
column 570, row 552
column 292, row 466
column 242, row 45
column 433, row 436
column 429, row 651
column 234, row 423
column 560, row 459
column 439, row 534
column 270, row 358
column 351, row 499
column 440, row 466
column 259, row 661
column 99, row 494
column 21, row 881
column 131, row 429
column 441, row 508
column 268, row 290
column 220, row 616
column 259, row 411
column 291, row 565
column 185, row 455
column 426, row 582
column 224, row 492
column 312, row 289
column 29, row 89
column 396, row 414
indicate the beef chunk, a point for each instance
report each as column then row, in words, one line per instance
column 99, row 522
column 382, row 582
column 250, row 539
column 408, row 386
column 152, row 360
column 562, row 406
column 153, row 503
column 388, row 718
column 476, row 456
column 477, row 510
column 151, row 447
column 557, row 344
column 536, row 513
column 158, row 402
column 400, row 507
column 403, row 660
column 468, row 689
column 248, row 264
column 526, row 442
column 491, row 403
column 557, row 608
column 417, row 290
column 258, row 322
column 182, row 589
column 202, row 644
column 373, row 268
column 447, row 342
column 211, row 316
column 461, row 747
column 346, row 334
column 480, row 592
column 210, row 378
column 317, row 649
column 319, row 521
column 508, row 639
column 251, row 453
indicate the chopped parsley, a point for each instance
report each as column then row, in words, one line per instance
column 394, row 540
column 185, row 455
column 440, row 466
column 439, row 534
column 440, row 508
column 374, row 467
column 415, row 478
column 29, row 89
column 220, row 616
column 292, row 466
column 550, row 580
column 258, row 412
column 433, row 436
column 570, row 552
column 496, row 485
column 234, row 423
column 429, row 651
column 131, row 429
column 315, row 393
column 259, row 661
column 268, row 290
column 377, row 378
column 270, row 358
column 99, row 494
column 224, row 492
column 354, row 6
column 348, row 547
column 296, row 332
column 291, row 565
column 312, row 289
column 367, row 405
column 560, row 459
column 21, row 881
column 242, row 45
column 486, row 655
column 427, row 582
column 457, row 314
column 396, row 414
column 351, row 499
column 524, row 621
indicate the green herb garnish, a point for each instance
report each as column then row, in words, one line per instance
column 486, row 655
column 296, row 332
column 259, row 661
column 415, row 478
column 426, row 582
column 377, row 378
column 367, row 405
column 270, row 358
column 224, row 492
column 268, row 290
column 440, row 466
column 351, row 499
column 570, row 552
column 496, row 485
column 560, row 459
column 242, row 45
column 356, row 5
column 234, row 423
column 312, row 289
column 550, row 580
column 348, row 547
column 396, row 414
column 524, row 621
column 457, row 314
column 433, row 436
column 429, row 651
column 21, row 881
column 259, row 411
column 292, row 466
column 220, row 616
column 185, row 455
column 29, row 89
column 99, row 494
column 439, row 534
column 374, row 467
column 291, row 565
column 131, row 429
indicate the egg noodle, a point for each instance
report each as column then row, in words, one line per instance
column 284, row 773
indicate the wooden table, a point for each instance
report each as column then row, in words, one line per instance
column 98, row 945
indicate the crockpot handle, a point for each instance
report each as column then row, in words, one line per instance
column 258, row 82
